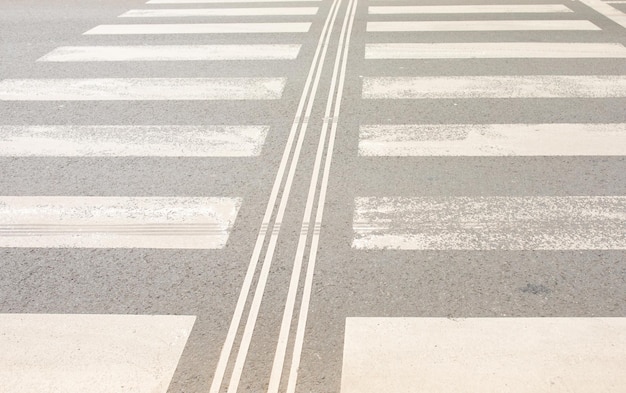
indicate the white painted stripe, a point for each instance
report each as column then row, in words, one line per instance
column 494, row 50
column 201, row 28
column 191, row 12
column 138, row 141
column 469, row 9
column 605, row 9
column 493, row 140
column 107, row 89
column 616, row 2
column 173, row 53
column 481, row 25
column 515, row 355
column 491, row 223
column 535, row 86
column 223, row 1
column 90, row 353
column 116, row 222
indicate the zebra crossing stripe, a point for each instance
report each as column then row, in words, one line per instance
column 191, row 12
column 493, row 140
column 469, row 9
column 481, row 25
column 490, row 223
column 201, row 28
column 223, row 1
column 116, row 222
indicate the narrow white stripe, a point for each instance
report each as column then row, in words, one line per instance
column 493, row 140
column 223, row 1
column 173, row 53
column 540, row 86
column 494, row 50
column 116, row 222
column 610, row 12
column 90, row 353
column 140, row 141
column 202, row 28
column 481, row 25
column 491, row 223
column 469, row 9
column 141, row 89
column 616, row 2
column 516, row 355
column 259, row 11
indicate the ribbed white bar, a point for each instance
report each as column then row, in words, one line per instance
column 173, row 53
column 141, row 89
column 116, row 222
column 138, row 141
column 536, row 86
column 477, row 355
column 493, row 140
column 495, row 50
column 481, row 25
column 201, row 28
column 491, row 223
column 469, row 9
column 223, row 1
column 191, row 12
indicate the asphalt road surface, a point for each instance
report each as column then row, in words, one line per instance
column 312, row 196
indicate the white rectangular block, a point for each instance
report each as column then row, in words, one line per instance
column 490, row 223
column 194, row 12
column 481, row 25
column 116, row 222
column 173, row 53
column 493, row 140
column 136, row 141
column 201, row 28
column 479, row 355
column 469, row 9
column 106, row 89
column 532, row 86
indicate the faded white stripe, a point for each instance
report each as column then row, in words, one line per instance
column 493, row 140
column 491, row 223
column 469, row 9
column 535, row 86
column 173, row 53
column 605, row 9
column 223, row 1
column 116, row 222
column 201, row 28
column 141, row 89
column 191, row 12
column 481, row 25
column 140, row 141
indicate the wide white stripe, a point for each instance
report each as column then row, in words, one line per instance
column 468, row 9
column 141, row 141
column 515, row 355
column 190, row 12
column 535, row 86
column 116, row 222
column 494, row 50
column 201, row 28
column 491, row 223
column 222, row 1
column 481, row 25
column 90, row 353
column 605, row 9
column 493, row 140
column 106, row 89
column 173, row 53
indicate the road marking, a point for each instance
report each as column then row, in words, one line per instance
column 116, row 222
column 608, row 11
column 107, row 89
column 517, row 355
column 491, row 223
column 137, row 141
column 481, row 25
column 190, row 12
column 223, row 1
column 173, row 53
column 494, row 50
column 534, row 86
column 201, row 28
column 468, row 9
column 493, row 140
column 90, row 353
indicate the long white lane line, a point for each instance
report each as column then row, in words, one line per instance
column 173, row 53
column 535, row 86
column 481, row 25
column 605, row 9
column 300, row 123
column 224, row 1
column 495, row 50
column 135, row 141
column 201, row 28
column 116, row 222
column 468, row 9
column 107, row 89
column 492, row 140
column 193, row 12
column 490, row 223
